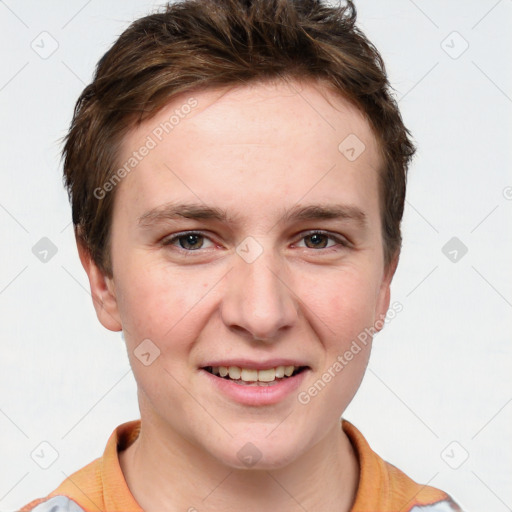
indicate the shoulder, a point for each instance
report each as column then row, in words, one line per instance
column 64, row 498
column 417, row 497
column 91, row 486
column 55, row 504
column 383, row 486
column 447, row 505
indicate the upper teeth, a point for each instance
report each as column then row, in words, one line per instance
column 252, row 375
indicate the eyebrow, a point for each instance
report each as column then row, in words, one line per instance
column 171, row 211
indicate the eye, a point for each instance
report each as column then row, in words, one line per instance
column 318, row 237
column 189, row 241
column 192, row 241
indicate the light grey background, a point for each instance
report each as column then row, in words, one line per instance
column 439, row 384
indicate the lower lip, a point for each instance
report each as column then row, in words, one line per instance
column 257, row 395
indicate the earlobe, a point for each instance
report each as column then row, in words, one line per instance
column 382, row 309
column 102, row 289
column 384, row 297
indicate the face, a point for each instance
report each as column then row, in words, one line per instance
column 219, row 260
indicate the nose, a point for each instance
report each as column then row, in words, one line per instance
column 258, row 302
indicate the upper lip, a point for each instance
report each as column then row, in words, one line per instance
column 255, row 365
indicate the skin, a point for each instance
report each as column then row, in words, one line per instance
column 256, row 151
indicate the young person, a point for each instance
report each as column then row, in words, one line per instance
column 237, row 173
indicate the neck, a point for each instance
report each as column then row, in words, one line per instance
column 167, row 473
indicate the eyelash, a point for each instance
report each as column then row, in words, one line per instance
column 187, row 252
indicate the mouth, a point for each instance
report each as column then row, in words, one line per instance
column 253, row 376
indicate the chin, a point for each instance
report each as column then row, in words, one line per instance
column 251, row 453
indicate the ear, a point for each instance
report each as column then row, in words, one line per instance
column 384, row 294
column 102, row 289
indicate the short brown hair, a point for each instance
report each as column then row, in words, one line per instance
column 200, row 44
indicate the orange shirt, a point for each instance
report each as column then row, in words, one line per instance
column 100, row 486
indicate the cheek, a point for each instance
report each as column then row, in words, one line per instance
column 169, row 306
column 346, row 309
column 345, row 301
column 150, row 301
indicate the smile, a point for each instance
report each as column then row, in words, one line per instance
column 255, row 377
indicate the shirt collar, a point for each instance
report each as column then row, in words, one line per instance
column 373, row 487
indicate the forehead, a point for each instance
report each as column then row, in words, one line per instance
column 276, row 143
